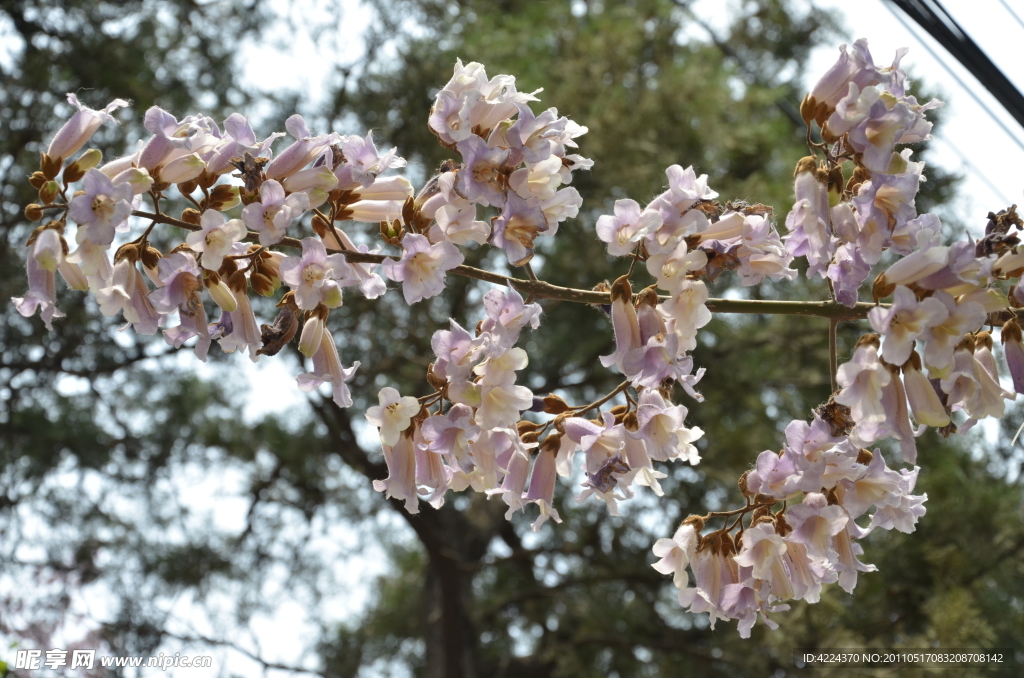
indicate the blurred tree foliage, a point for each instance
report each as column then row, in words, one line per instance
column 90, row 418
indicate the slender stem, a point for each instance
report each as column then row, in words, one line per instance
column 529, row 272
column 597, row 403
column 734, row 512
column 832, row 357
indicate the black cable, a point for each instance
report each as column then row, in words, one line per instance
column 933, row 17
column 974, row 95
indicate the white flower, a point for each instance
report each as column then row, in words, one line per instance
column 393, row 415
column 216, row 238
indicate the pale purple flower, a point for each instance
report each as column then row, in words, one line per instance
column 762, row 253
column 244, row 332
column 565, row 204
column 627, row 227
column 763, row 551
column 856, row 67
column 458, row 224
column 807, row 222
column 274, row 212
column 401, row 481
column 902, row 323
column 101, row 209
column 191, row 326
column 422, row 267
column 774, row 474
column 216, row 238
column 479, row 180
column 877, row 485
column 513, row 484
column 507, row 315
column 393, row 415
column 456, row 350
column 847, row 564
column 537, row 180
column 815, row 523
column 941, row 339
column 42, row 263
column 687, row 312
column 658, row 360
column 239, row 139
column 300, row 152
column 363, row 162
column 451, row 435
column 516, row 229
column 311, row 180
column 314, row 276
column 847, row 273
column 542, row 488
column 862, row 380
column 540, row 136
column 625, row 326
column 677, row 553
column 180, row 283
column 672, row 268
column 327, row 368
column 501, row 401
column 127, row 293
column 884, row 203
column 661, row 427
column 370, row 283
column 80, row 128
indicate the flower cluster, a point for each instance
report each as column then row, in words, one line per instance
column 257, row 221
column 854, row 207
column 477, row 439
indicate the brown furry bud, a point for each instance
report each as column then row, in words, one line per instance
column 151, row 256
column 33, row 212
column 191, row 216
column 48, row 192
column 554, row 404
column 742, row 483
column 50, row 167
column 263, row 285
column 37, row 180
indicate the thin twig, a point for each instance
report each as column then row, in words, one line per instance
column 597, row 403
column 833, row 360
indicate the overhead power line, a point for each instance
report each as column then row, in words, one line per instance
column 933, row 17
column 1012, row 12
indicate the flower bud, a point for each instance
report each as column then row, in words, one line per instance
column 312, row 331
column 37, row 180
column 220, row 293
column 191, row 216
column 48, row 192
column 33, row 212
column 151, row 257
column 554, row 404
column 136, row 177
column 222, row 197
column 313, row 177
column 317, row 197
column 181, row 169
column 261, row 284
column 50, row 166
